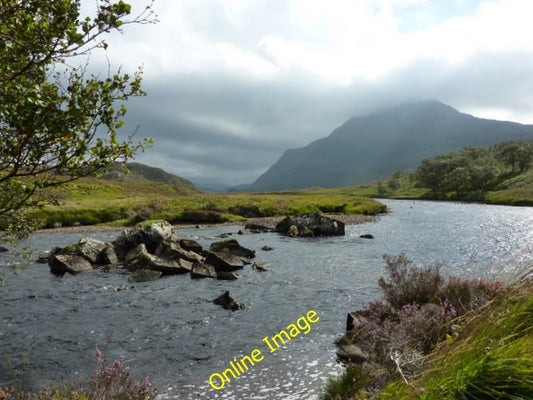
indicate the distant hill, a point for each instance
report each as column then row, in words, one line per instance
column 373, row 147
column 141, row 172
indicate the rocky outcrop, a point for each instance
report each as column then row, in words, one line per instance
column 152, row 246
column 60, row 264
column 355, row 345
column 201, row 270
column 310, row 225
column 85, row 255
column 228, row 301
column 140, row 258
column 232, row 247
column 152, row 250
column 224, row 261
column 150, row 233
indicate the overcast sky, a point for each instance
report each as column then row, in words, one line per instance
column 232, row 84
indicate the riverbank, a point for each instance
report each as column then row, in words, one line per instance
column 355, row 219
column 99, row 202
column 431, row 338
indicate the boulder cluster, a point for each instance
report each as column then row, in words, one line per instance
column 150, row 250
column 310, row 225
column 153, row 249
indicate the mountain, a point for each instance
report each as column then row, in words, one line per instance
column 373, row 147
column 140, row 172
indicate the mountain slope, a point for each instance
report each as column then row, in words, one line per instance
column 140, row 172
column 373, row 147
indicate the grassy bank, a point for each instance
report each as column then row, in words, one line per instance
column 97, row 201
column 498, row 174
column 492, row 358
column 514, row 191
column 439, row 341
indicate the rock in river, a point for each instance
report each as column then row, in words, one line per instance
column 231, row 246
column 312, row 224
column 228, row 301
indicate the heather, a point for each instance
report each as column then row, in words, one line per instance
column 408, row 333
column 109, row 382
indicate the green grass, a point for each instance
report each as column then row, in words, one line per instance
column 479, row 340
column 491, row 359
column 96, row 201
column 516, row 190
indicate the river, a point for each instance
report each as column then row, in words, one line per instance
column 170, row 330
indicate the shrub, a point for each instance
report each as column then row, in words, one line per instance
column 465, row 295
column 409, row 285
column 202, row 216
column 109, row 382
column 350, row 385
column 490, row 359
column 248, row 211
column 114, row 382
column 418, row 310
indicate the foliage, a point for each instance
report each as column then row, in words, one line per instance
column 419, row 310
column 490, row 359
column 136, row 172
column 57, row 122
column 350, row 385
column 407, row 286
column 499, row 174
column 109, row 382
column 473, row 171
column 118, row 202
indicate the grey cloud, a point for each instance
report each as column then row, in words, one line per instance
column 227, row 128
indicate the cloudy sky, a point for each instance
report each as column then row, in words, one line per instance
column 232, row 84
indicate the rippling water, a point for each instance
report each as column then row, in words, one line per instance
column 170, row 330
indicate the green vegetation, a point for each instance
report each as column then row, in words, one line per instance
column 109, row 382
column 433, row 339
column 137, row 172
column 491, row 359
column 499, row 174
column 90, row 201
column 58, row 122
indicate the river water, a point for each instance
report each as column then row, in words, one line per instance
column 170, row 329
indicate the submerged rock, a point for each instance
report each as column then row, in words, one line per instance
column 259, row 266
column 144, row 275
column 227, row 276
column 256, row 228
